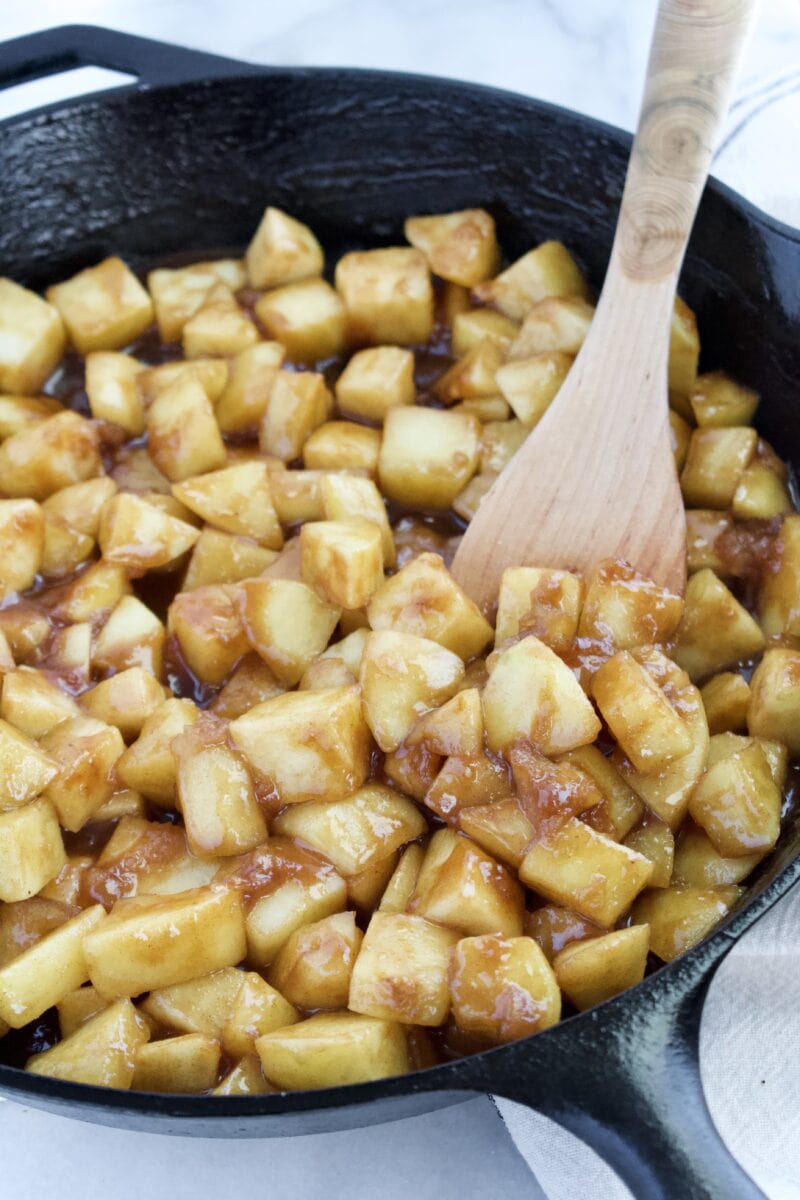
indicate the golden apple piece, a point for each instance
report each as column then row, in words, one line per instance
column 25, row 922
column 557, row 324
column 402, row 677
column 178, row 293
column 354, row 832
column 215, row 792
column 402, row 969
column 308, row 318
column 86, row 750
column 299, row 402
column 282, row 250
column 716, row 629
column 256, row 1009
column 342, row 560
column 401, row 885
column 682, row 915
column 500, row 440
column 387, row 294
column 237, row 500
column 427, row 456
column 456, row 728
column 502, row 988
column 274, row 917
column 65, row 549
column 553, row 928
column 150, row 942
column 463, row 887
column 654, row 839
column 188, row 1064
column 464, row 781
column 547, row 270
column 684, row 352
column 245, row 1079
column 201, row 1005
column 112, row 391
column 472, row 376
column 309, row 745
column 621, row 808
column 699, row 863
column 103, row 307
column 718, row 401
column 714, row 465
column 780, row 588
column 726, row 699
column 148, row 766
column 251, row 683
column 33, row 704
column 124, row 803
column 43, row 973
column 219, row 327
column 210, row 373
column 639, row 714
column 96, row 590
column 343, row 446
column 578, row 868
column 365, row 888
column 532, row 694
column 589, row 972
column 738, row 803
column 774, row 709
column 472, row 325
column 626, row 609
column 78, row 1007
column 208, row 627
column 530, row 385
column 32, row 338
column 287, row 624
column 460, row 246
column 220, row 557
column 424, row 599
column 125, row 700
column 22, row 545
column 25, row 770
column 19, row 412
column 332, row 1049
column 139, row 536
column 540, row 601
column 350, row 497
column 102, row 1051
column 500, row 827
column 313, row 967
column 243, row 402
column 132, row 636
column 50, row 455
column 376, row 380
column 183, row 435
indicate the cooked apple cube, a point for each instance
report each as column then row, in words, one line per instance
column 150, row 942
column 137, row 535
column 718, row 401
column 210, row 373
column 726, row 698
column 714, row 465
column 412, row 769
column 557, row 324
column 402, row 969
column 298, row 403
column 592, row 971
column 471, row 376
column 31, row 850
column 178, row 293
column 124, row 803
column 86, row 751
column 112, row 392
column 463, row 887
column 553, row 928
column 310, row 745
column 761, row 493
column 548, row 270
column 539, row 601
column 500, row 440
column 353, row 833
column 78, row 1007
column 243, row 402
column 34, row 704
column 103, row 307
column 684, row 350
column 546, row 789
column 124, row 700
column 502, row 988
column 387, row 294
column 474, row 324
column 225, row 558
column 219, row 327
column 332, row 1049
column 48, row 456
column 43, row 973
column 780, row 588
column 245, row 1079
column 342, row 560
column 187, row 1064
column 287, row 624
column 460, row 246
column 624, row 607
column 402, row 677
column 500, row 827
column 132, row 636
column 20, row 412
column 183, row 436
column 313, row 967
column 348, row 497
column 578, row 868
column 485, row 408
column 403, row 880
column 216, row 795
column 65, row 549
column 639, row 714
column 738, row 804
column 465, row 780
column 427, row 456
column 716, row 629
column 22, row 544
column 32, row 337
column 532, row 694
column 148, row 766
column 698, row 862
column 208, row 627
column 455, row 728
column 681, row 916
column 654, row 839
column 282, row 250
column 376, row 380
column 256, row 1009
column 307, row 318
column 680, row 434
column 293, row 904
column 251, row 683
column 423, row 599
column 24, row 628
column 530, row 385
column 101, row 1052
column 201, row 1005
column 236, row 499
column 774, row 710
column 25, row 770
column 365, row 889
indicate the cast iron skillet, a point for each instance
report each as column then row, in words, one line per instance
column 186, row 160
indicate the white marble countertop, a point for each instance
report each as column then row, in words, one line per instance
column 584, row 54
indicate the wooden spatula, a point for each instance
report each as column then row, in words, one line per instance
column 596, row 479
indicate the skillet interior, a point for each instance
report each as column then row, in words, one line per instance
column 150, row 173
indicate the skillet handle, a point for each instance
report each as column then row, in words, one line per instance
column 66, row 47
column 628, row 1084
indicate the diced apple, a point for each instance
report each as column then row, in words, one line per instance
column 103, row 307
column 402, row 677
column 592, row 971
column 502, row 988
column 461, row 886
column 101, row 1052
column 427, row 456
column 387, row 294
column 376, row 380
column 282, row 250
column 308, row 318
column 313, row 967
column 332, row 1049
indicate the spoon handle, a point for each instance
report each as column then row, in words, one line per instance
column 695, row 52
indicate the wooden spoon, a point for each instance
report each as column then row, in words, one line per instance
column 597, row 477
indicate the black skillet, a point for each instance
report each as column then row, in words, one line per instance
column 186, row 159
